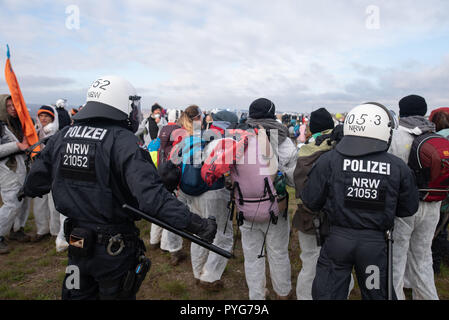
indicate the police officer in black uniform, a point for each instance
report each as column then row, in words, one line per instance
column 94, row 167
column 361, row 188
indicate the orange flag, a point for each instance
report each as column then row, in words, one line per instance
column 28, row 128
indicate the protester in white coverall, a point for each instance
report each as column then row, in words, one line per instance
column 12, row 174
column 46, row 217
column 61, row 243
column 412, row 254
column 167, row 240
column 17, row 231
column 262, row 114
column 207, row 266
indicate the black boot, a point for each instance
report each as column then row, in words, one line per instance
column 3, row 246
column 19, row 236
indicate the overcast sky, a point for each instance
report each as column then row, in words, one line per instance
column 300, row 54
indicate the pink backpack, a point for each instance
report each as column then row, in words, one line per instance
column 254, row 192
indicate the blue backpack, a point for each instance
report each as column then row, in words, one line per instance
column 191, row 181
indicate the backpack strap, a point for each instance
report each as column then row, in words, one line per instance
column 268, row 189
column 230, row 207
column 319, row 140
column 237, row 186
column 240, row 218
column 273, row 217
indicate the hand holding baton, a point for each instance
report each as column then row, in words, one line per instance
column 181, row 233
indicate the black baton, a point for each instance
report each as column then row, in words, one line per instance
column 181, row 233
column 389, row 239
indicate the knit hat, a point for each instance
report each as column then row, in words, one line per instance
column 225, row 116
column 155, row 107
column 46, row 109
column 320, row 120
column 262, row 109
column 412, row 106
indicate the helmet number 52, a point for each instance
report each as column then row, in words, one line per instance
column 101, row 84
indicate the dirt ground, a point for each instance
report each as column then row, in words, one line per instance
column 35, row 271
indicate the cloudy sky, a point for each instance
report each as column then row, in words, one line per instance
column 301, row 54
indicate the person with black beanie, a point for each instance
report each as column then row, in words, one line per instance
column 413, row 235
column 262, row 114
column 149, row 127
column 412, row 105
column 262, row 109
column 320, row 120
column 155, row 121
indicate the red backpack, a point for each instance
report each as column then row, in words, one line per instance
column 429, row 160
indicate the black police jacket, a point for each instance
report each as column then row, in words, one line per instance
column 93, row 168
column 361, row 193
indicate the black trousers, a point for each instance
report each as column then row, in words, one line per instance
column 101, row 276
column 345, row 249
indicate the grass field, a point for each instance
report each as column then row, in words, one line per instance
column 35, row 271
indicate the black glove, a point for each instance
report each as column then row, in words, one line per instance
column 203, row 228
column 21, row 194
column 170, row 175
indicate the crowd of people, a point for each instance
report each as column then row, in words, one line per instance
column 350, row 173
column 14, row 162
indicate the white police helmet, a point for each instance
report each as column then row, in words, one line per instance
column 61, row 103
column 112, row 97
column 368, row 128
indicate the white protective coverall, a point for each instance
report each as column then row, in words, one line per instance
column 169, row 241
column 277, row 240
column 412, row 254
column 13, row 212
column 143, row 132
column 208, row 266
column 47, row 218
column 22, row 217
